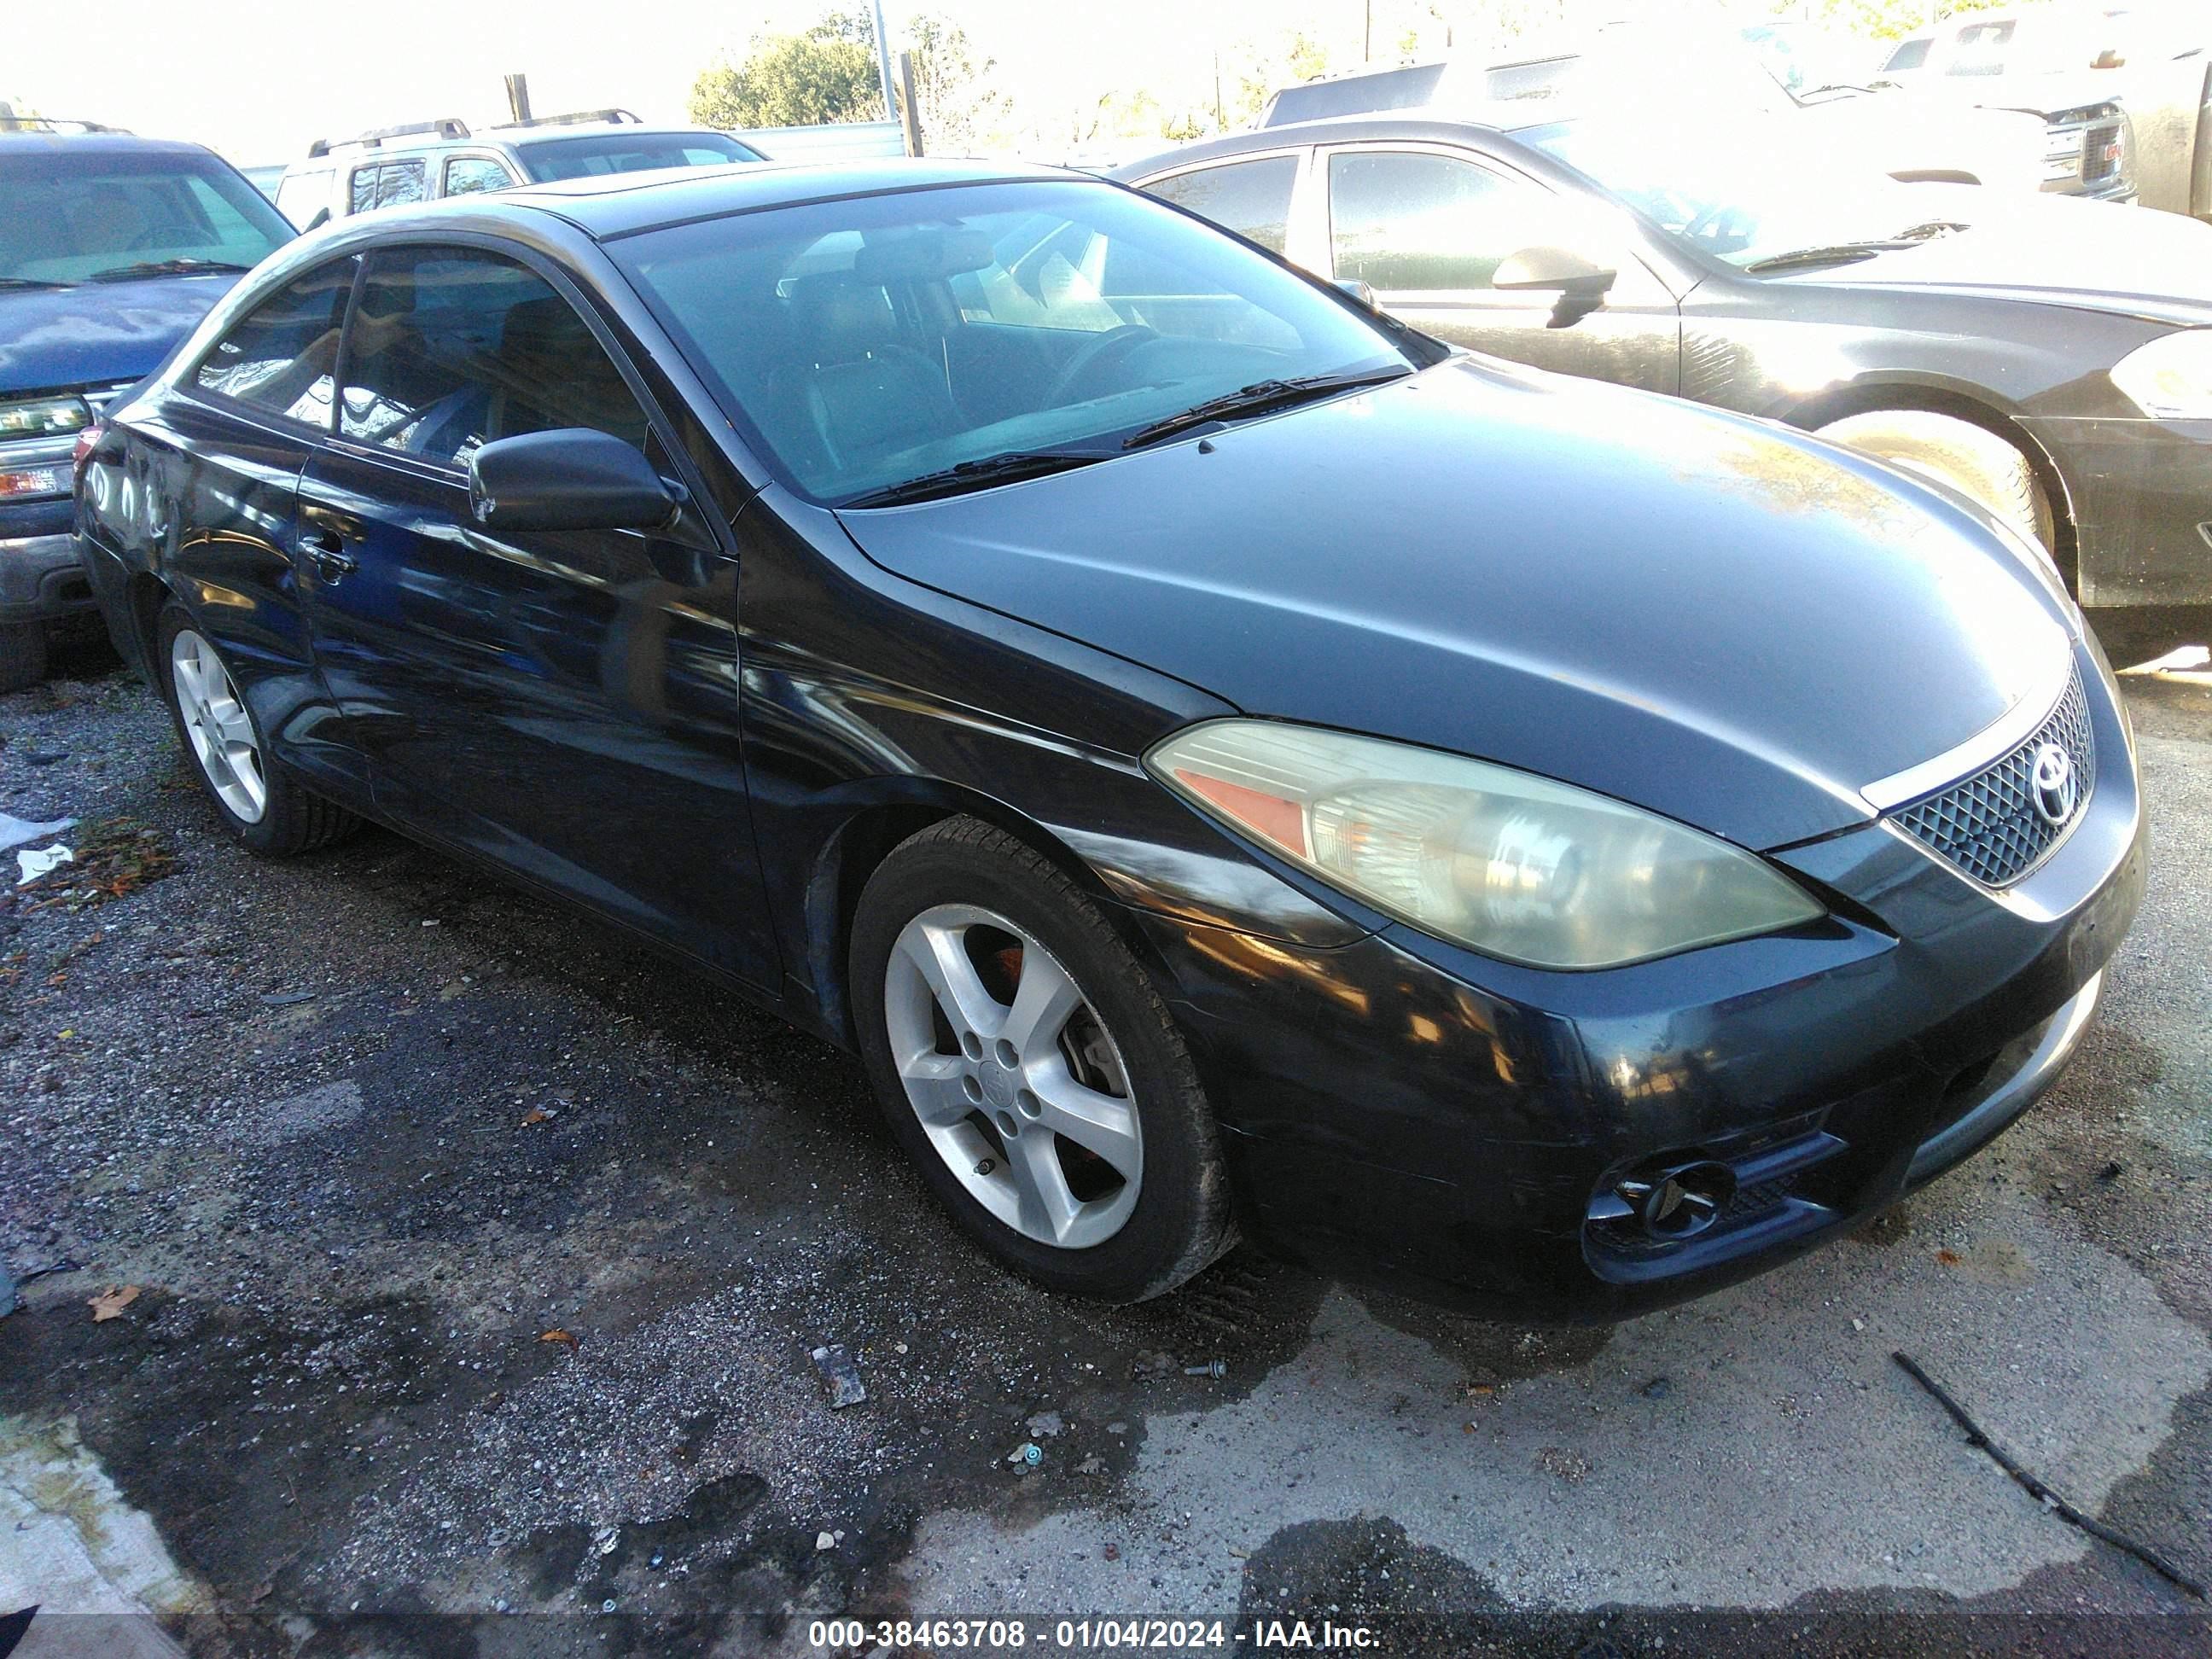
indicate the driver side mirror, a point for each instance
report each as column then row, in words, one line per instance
column 1582, row 285
column 1358, row 288
column 573, row 478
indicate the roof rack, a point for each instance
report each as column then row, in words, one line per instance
column 445, row 126
column 577, row 119
column 10, row 122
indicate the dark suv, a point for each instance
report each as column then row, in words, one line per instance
column 112, row 249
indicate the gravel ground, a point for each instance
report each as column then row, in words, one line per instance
column 480, row 1254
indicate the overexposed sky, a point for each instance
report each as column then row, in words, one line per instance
column 257, row 79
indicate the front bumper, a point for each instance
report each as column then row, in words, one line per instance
column 1401, row 1111
column 2142, row 498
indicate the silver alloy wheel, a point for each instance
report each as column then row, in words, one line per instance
column 215, row 723
column 1012, row 1094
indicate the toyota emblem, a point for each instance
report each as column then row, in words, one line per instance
column 2055, row 789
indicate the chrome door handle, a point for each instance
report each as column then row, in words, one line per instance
column 325, row 550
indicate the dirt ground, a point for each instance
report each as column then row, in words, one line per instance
column 478, row 1256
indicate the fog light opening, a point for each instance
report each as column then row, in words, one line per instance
column 1678, row 1202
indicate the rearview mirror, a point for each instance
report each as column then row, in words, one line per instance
column 571, row 479
column 1553, row 267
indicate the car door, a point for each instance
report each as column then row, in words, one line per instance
column 209, row 487
column 1426, row 226
column 566, row 704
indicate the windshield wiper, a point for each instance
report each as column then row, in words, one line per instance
column 29, row 281
column 1833, row 253
column 1014, row 465
column 164, row 268
column 1257, row 399
column 1842, row 253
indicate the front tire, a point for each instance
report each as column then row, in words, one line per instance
column 1026, row 1063
column 1970, row 459
column 263, row 805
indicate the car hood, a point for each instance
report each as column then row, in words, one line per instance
column 1708, row 615
column 99, row 333
column 2051, row 251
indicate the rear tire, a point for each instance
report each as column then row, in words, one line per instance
column 1970, row 459
column 1108, row 1179
column 262, row 803
column 23, row 655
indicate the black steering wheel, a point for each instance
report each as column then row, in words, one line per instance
column 1109, row 347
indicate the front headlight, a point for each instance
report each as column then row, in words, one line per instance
column 43, row 417
column 2171, row 378
column 1502, row 861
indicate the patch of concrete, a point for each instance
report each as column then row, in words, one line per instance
column 95, row 1568
column 1785, row 1454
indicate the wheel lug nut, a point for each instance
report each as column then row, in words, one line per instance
column 973, row 1089
column 1008, row 1056
column 971, row 1045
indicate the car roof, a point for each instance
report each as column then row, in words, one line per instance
column 100, row 143
column 1437, row 126
column 621, row 204
column 347, row 152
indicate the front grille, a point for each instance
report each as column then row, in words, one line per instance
column 1988, row 825
column 2100, row 157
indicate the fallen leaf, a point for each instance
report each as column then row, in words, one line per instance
column 558, row 1336
column 261, row 1595
column 111, row 1302
column 1948, row 1258
column 535, row 1116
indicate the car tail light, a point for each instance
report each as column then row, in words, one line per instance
column 86, row 441
column 22, row 483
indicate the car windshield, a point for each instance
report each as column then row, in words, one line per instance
column 1746, row 200
column 76, row 217
column 600, row 153
column 873, row 341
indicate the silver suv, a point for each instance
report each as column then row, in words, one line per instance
column 427, row 159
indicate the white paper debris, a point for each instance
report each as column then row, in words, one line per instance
column 34, row 864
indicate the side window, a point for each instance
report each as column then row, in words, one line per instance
column 387, row 184
column 1912, row 55
column 281, row 355
column 452, row 349
column 465, row 175
column 1252, row 198
column 398, row 182
column 1410, row 221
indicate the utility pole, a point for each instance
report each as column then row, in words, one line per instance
column 1367, row 40
column 517, row 98
column 909, row 108
column 883, row 66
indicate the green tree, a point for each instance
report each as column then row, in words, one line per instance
column 795, row 79
column 960, row 107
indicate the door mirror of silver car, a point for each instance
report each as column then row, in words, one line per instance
column 1553, row 267
column 571, row 479
column 1580, row 283
column 1358, row 288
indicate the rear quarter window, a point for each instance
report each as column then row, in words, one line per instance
column 281, row 356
